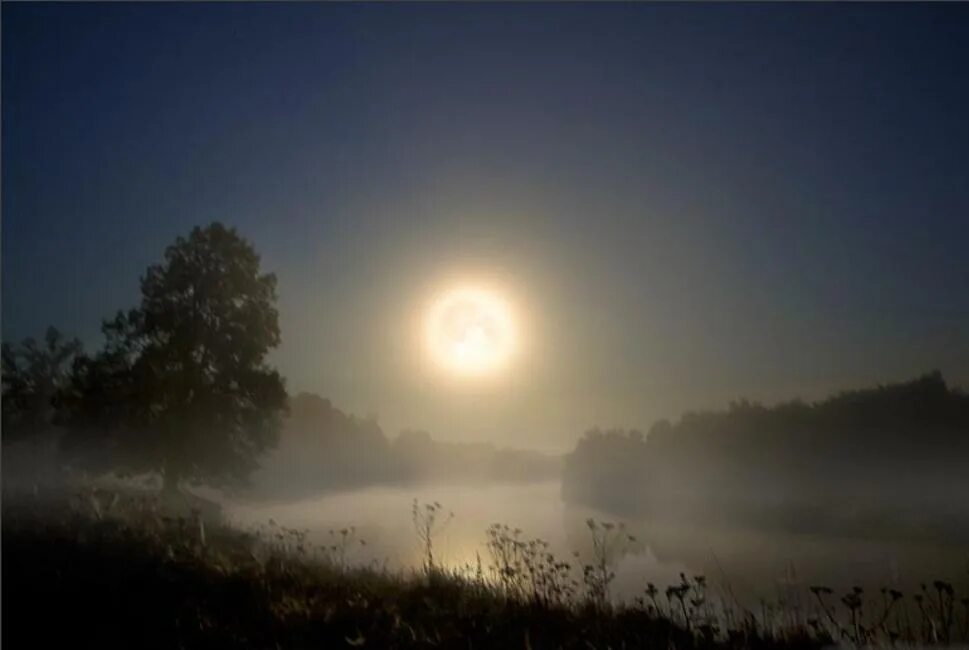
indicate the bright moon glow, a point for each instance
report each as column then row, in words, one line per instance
column 470, row 331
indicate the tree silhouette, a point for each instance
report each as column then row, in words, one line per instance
column 33, row 376
column 182, row 386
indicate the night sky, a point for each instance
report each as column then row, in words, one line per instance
column 691, row 203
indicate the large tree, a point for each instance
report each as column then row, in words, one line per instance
column 182, row 386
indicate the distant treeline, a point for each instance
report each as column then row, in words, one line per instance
column 321, row 448
column 891, row 457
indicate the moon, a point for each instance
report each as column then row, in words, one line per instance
column 470, row 331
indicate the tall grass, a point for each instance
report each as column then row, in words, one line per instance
column 130, row 572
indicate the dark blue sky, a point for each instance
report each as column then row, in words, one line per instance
column 696, row 202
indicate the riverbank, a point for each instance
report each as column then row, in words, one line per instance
column 130, row 574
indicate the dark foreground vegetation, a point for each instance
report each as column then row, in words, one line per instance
column 111, row 571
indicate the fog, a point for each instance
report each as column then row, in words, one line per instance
column 758, row 499
column 323, row 448
column 399, row 325
column 864, row 488
column 752, row 563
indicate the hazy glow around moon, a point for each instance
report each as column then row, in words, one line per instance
column 470, row 331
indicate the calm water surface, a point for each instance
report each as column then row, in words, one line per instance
column 751, row 563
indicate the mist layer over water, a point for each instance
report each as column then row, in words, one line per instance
column 745, row 562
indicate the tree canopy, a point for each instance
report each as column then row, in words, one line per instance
column 182, row 385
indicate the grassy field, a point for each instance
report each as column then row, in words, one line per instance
column 102, row 570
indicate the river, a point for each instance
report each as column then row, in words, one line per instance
column 747, row 564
